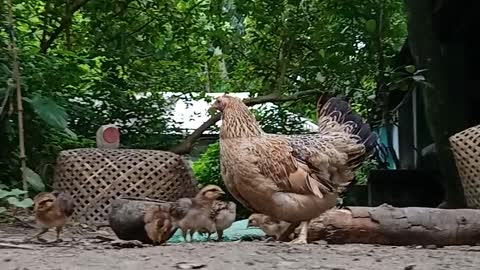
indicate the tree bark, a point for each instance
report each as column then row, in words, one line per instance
column 186, row 146
column 444, row 116
column 387, row 225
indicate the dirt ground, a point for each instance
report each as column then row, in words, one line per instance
column 84, row 248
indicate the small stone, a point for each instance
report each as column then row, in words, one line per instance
column 409, row 267
column 356, row 259
column 249, row 263
column 431, row 246
column 321, row 242
column 378, row 260
column 187, row 265
column 7, row 259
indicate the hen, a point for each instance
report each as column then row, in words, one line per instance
column 193, row 214
column 158, row 224
column 291, row 178
column 52, row 209
column 223, row 214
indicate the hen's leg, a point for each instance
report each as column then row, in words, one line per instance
column 184, row 234
column 59, row 230
column 44, row 230
column 302, row 236
column 219, row 235
column 192, row 232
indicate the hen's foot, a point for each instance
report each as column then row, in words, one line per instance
column 299, row 240
column 302, row 236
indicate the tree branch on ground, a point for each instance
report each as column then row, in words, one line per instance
column 186, row 145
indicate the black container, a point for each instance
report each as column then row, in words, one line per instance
column 404, row 188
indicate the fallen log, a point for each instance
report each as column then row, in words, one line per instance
column 387, row 225
column 126, row 218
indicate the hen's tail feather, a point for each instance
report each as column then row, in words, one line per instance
column 338, row 110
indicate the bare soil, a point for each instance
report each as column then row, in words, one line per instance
column 85, row 248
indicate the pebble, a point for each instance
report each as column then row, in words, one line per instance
column 409, row 267
column 7, row 259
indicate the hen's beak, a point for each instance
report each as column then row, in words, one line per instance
column 213, row 109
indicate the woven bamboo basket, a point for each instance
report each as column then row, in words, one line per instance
column 466, row 151
column 96, row 177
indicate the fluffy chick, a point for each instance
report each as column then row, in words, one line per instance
column 52, row 209
column 193, row 214
column 158, row 224
column 271, row 227
column 223, row 214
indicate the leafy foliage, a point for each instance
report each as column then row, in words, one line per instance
column 13, row 198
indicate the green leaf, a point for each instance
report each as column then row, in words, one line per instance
column 4, row 193
column 34, row 179
column 419, row 78
column 70, row 133
column 410, row 68
column 17, row 192
column 25, row 203
column 371, row 25
column 49, row 111
column 322, row 53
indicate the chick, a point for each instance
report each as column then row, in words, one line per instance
column 193, row 214
column 271, row 227
column 52, row 209
column 223, row 214
column 158, row 223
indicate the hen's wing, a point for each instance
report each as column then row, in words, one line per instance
column 316, row 163
column 64, row 202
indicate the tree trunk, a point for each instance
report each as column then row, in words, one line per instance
column 444, row 116
column 397, row 226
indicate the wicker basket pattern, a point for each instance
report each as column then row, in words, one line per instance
column 95, row 177
column 466, row 151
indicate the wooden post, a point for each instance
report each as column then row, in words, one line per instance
column 16, row 78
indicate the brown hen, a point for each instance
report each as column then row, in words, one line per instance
column 291, row 178
column 52, row 209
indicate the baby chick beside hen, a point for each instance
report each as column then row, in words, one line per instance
column 272, row 227
column 193, row 214
column 52, row 209
column 223, row 214
column 158, row 224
